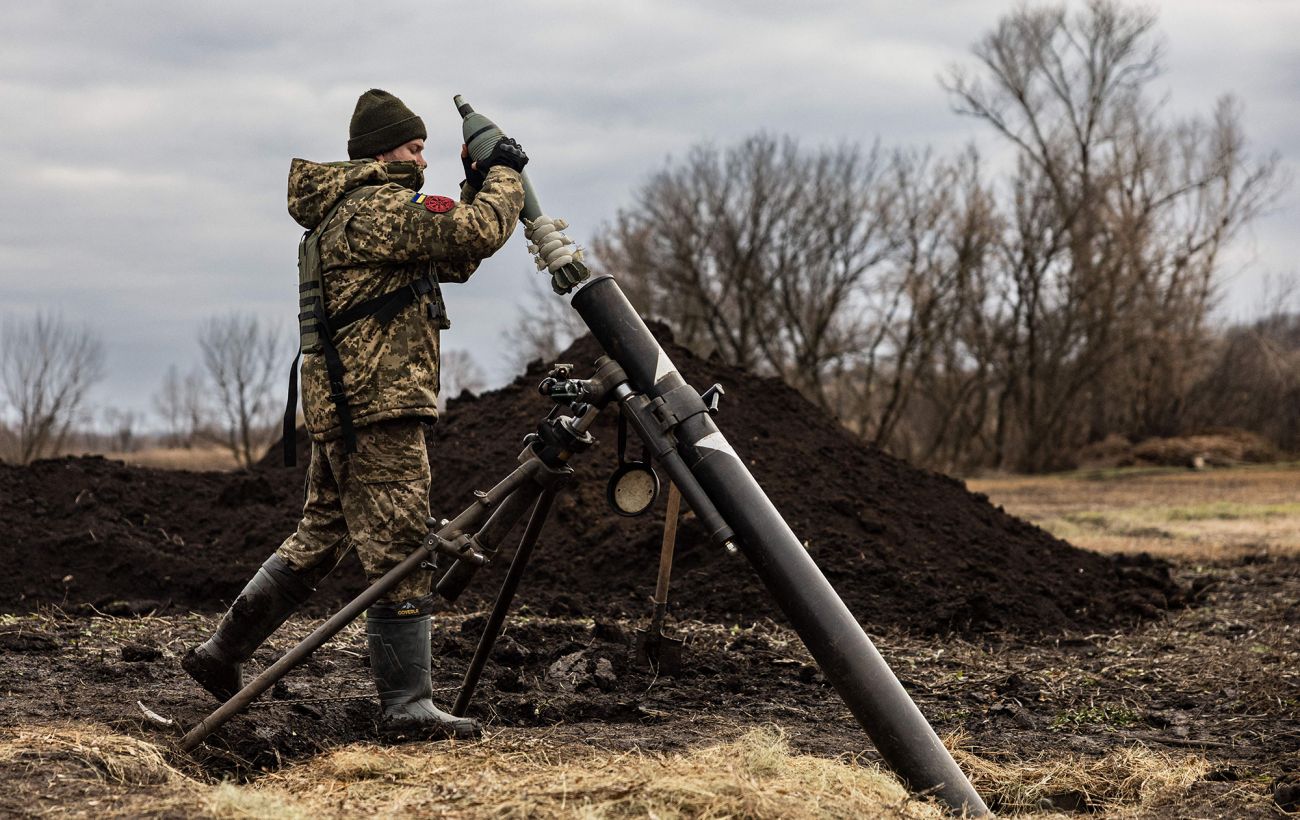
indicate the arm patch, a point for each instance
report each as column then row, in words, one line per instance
column 434, row 204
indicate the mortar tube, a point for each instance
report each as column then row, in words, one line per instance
column 842, row 649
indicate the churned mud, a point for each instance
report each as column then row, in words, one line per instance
column 1216, row 681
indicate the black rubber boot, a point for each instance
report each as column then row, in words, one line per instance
column 400, row 658
column 266, row 602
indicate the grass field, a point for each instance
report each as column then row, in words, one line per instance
column 98, row 773
column 1169, row 512
column 179, row 458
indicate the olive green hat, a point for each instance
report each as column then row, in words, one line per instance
column 381, row 123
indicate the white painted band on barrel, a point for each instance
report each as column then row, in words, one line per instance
column 663, row 367
column 718, row 443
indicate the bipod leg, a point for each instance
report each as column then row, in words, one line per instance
column 470, row 518
column 492, row 629
column 299, row 653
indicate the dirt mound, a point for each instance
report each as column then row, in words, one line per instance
column 131, row 539
column 906, row 548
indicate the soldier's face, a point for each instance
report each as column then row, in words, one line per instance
column 412, row 151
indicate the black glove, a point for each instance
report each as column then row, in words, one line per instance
column 507, row 152
column 472, row 175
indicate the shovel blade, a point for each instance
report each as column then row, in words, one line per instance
column 658, row 652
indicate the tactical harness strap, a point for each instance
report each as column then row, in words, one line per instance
column 384, row 308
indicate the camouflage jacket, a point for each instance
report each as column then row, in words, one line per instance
column 376, row 242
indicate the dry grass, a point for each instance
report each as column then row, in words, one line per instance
column 108, row 774
column 110, row 757
column 1220, row 449
column 91, row 771
column 87, row 770
column 230, row 802
column 754, row 776
column 1128, row 782
column 179, row 458
column 1210, row 515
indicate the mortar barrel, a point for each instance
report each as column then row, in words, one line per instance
column 842, row 649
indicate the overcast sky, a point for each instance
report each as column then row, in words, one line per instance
column 144, row 146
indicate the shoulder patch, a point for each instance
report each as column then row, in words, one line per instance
column 433, row 203
column 439, row 204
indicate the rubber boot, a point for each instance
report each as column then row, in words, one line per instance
column 400, row 658
column 266, row 602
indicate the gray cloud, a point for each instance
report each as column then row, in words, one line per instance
column 145, row 144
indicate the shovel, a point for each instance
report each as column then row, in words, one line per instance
column 654, row 649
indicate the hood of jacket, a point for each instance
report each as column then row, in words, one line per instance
column 314, row 187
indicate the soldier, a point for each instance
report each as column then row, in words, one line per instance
column 370, row 264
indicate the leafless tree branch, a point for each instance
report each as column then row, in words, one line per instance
column 47, row 366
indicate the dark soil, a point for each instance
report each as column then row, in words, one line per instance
column 1216, row 680
column 1046, row 649
column 907, row 549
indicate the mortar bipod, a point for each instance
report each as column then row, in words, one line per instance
column 543, row 469
column 472, row 537
column 608, row 383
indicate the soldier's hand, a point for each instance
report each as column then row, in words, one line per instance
column 472, row 175
column 507, row 152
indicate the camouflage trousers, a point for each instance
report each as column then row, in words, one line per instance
column 375, row 499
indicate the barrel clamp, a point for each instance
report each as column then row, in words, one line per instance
column 682, row 403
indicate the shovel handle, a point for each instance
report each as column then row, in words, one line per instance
column 670, row 539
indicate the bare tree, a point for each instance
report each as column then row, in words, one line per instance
column 759, row 252
column 1253, row 380
column 939, row 390
column 917, row 382
column 1115, row 225
column 458, row 372
column 951, row 319
column 243, row 361
column 547, row 325
column 8, row 441
column 179, row 404
column 46, row 369
column 858, row 277
column 120, row 428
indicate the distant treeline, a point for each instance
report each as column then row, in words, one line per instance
column 955, row 316
column 232, row 399
column 966, row 319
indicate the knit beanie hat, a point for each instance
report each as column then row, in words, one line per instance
column 381, row 123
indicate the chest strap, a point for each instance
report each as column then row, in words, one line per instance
column 314, row 321
column 384, row 308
